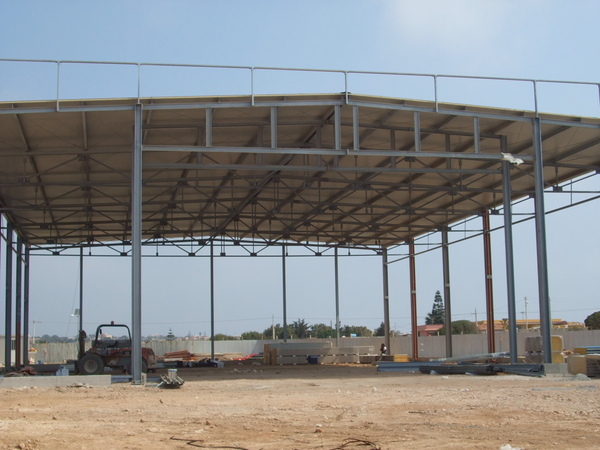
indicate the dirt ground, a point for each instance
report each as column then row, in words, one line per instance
column 308, row 407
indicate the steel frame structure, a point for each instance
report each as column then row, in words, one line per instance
column 329, row 170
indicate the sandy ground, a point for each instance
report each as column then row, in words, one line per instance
column 308, row 407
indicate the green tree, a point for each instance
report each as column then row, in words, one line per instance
column 252, row 336
column 437, row 316
column 300, row 329
column 322, row 331
column 379, row 331
column 278, row 332
column 170, row 336
column 461, row 327
column 224, row 337
column 359, row 331
column 593, row 321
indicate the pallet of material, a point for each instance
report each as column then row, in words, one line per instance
column 592, row 363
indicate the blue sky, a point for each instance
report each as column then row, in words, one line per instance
column 522, row 39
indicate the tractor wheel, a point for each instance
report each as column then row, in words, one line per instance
column 91, row 364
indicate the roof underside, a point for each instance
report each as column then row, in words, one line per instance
column 334, row 169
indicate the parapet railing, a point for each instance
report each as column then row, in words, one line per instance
column 345, row 83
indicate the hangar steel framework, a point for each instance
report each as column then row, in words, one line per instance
column 319, row 170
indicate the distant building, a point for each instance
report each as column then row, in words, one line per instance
column 529, row 324
column 429, row 330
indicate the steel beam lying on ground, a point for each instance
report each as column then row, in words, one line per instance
column 442, row 368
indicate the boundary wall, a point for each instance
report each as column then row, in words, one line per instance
column 429, row 346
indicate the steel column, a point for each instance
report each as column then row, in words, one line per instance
column 212, row 300
column 510, row 266
column 540, row 232
column 18, row 301
column 284, row 293
column 489, row 285
column 386, row 298
column 413, row 298
column 8, row 297
column 136, row 250
column 447, row 302
column 26, row 345
column 337, row 299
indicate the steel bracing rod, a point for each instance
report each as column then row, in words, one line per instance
column 337, row 132
column 256, row 191
column 320, row 174
column 510, row 267
column 413, row 299
column 215, row 195
column 515, row 151
column 447, row 300
column 540, row 231
column 8, row 296
column 386, row 297
column 444, row 160
column 136, row 250
column 33, row 163
column 432, row 247
column 489, row 285
column 369, row 176
column 192, row 156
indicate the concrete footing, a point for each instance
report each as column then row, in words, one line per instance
column 555, row 369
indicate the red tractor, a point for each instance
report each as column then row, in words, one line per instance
column 113, row 352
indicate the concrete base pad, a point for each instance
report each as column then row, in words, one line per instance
column 555, row 369
column 53, row 381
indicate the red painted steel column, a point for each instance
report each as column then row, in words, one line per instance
column 489, row 287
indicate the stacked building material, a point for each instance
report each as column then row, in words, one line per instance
column 534, row 350
column 314, row 353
